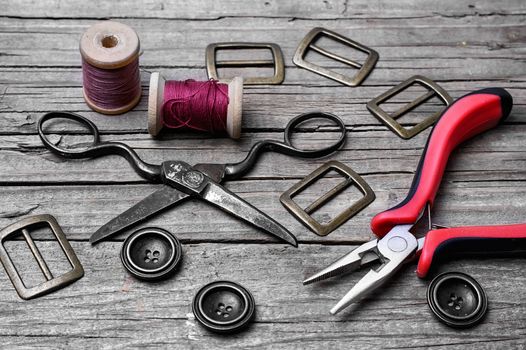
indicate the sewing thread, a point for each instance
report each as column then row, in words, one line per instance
column 110, row 67
column 111, row 88
column 195, row 105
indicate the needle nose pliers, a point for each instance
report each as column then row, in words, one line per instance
column 468, row 116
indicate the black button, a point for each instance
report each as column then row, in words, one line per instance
column 457, row 300
column 224, row 307
column 151, row 253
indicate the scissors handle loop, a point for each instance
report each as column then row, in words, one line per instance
column 237, row 169
column 96, row 148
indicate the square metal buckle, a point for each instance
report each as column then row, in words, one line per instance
column 277, row 62
column 52, row 283
column 309, row 43
column 390, row 119
column 303, row 215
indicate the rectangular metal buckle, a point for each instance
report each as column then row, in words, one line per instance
column 277, row 62
column 52, row 283
column 390, row 119
column 303, row 215
column 309, row 43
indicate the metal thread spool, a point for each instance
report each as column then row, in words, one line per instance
column 156, row 101
column 107, row 48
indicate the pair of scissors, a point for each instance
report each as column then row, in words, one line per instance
column 182, row 181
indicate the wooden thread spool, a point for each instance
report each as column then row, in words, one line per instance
column 156, row 101
column 108, row 46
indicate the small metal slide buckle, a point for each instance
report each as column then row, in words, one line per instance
column 308, row 43
column 52, row 283
column 276, row 62
column 303, row 215
column 390, row 119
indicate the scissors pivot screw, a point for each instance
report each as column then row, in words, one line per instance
column 182, row 175
column 193, row 178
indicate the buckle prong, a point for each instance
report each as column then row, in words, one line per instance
column 244, row 63
column 309, row 43
column 36, row 253
column 335, row 56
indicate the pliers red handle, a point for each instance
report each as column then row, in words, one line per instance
column 474, row 239
column 468, row 116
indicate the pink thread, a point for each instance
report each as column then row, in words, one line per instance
column 196, row 105
column 111, row 88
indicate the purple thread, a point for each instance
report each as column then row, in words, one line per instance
column 111, row 88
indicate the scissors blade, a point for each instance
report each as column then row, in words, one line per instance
column 231, row 203
column 214, row 171
column 159, row 200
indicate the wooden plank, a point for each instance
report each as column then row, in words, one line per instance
column 404, row 44
column 472, row 189
column 497, row 152
column 82, row 209
column 109, row 309
column 29, row 93
column 328, row 9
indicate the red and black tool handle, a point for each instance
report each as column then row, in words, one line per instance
column 471, row 240
column 468, row 116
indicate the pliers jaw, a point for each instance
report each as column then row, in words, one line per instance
column 359, row 257
column 392, row 251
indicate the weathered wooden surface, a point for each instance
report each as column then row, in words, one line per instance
column 107, row 308
column 460, row 44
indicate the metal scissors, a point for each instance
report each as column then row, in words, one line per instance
column 182, row 181
column 396, row 245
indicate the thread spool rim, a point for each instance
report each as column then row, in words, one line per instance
column 121, row 54
column 156, row 100
column 235, row 107
column 114, row 111
column 155, row 103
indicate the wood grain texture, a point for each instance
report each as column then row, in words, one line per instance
column 108, row 308
column 462, row 45
column 237, row 8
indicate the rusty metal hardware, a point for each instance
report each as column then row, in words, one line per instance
column 304, row 215
column 309, row 43
column 52, row 283
column 390, row 119
column 277, row 62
